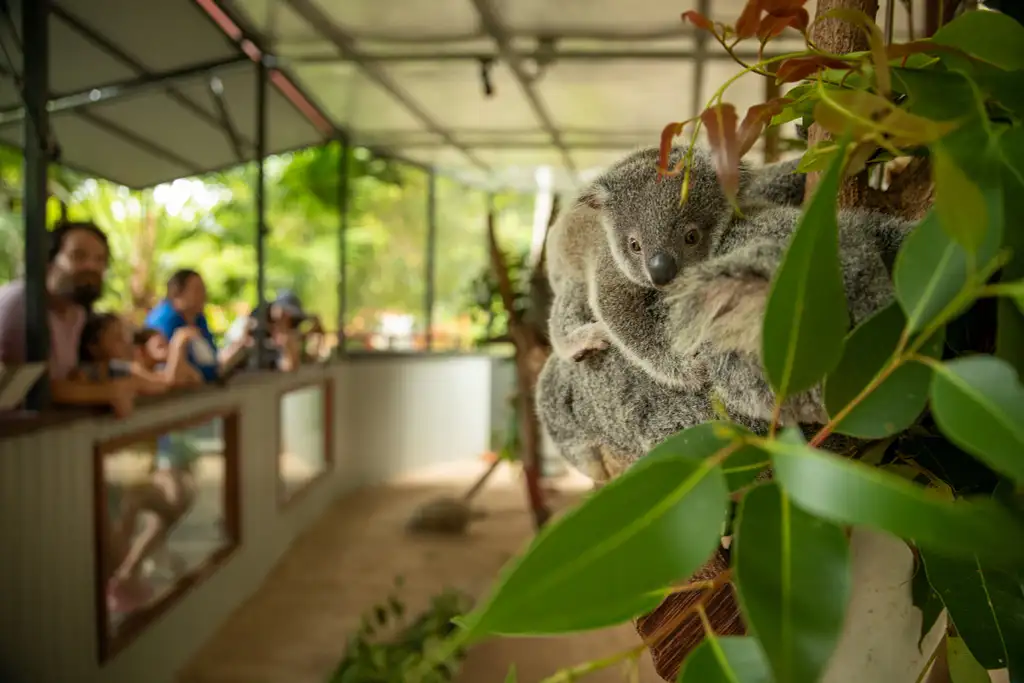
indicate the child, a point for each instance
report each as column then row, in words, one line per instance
column 104, row 355
column 163, row 361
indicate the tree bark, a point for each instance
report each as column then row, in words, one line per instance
column 531, row 351
column 839, row 37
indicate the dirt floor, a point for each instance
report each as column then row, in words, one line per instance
column 294, row 629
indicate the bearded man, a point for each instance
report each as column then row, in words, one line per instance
column 76, row 262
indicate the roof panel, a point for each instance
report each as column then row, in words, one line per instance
column 76, row 64
column 453, row 93
column 157, row 117
column 353, row 101
column 402, row 19
column 628, row 95
column 609, row 17
column 87, row 145
column 288, row 128
column 162, row 35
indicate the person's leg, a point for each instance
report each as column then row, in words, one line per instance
column 147, row 497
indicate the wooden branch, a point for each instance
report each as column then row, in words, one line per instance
column 505, row 289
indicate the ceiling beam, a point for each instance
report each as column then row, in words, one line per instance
column 346, row 47
column 554, row 56
column 492, row 24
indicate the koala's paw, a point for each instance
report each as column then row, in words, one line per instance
column 586, row 340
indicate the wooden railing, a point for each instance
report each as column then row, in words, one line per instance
column 59, row 521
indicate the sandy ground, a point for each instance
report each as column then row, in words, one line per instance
column 294, row 629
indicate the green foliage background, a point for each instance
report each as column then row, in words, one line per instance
column 387, row 236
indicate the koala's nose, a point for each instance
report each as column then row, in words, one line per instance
column 662, row 268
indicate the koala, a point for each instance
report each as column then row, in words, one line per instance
column 627, row 222
column 632, row 316
column 572, row 246
column 607, row 406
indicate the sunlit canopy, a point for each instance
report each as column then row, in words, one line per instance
column 570, row 84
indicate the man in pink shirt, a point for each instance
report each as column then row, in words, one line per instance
column 77, row 260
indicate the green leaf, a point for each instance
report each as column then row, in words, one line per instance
column 991, row 36
column 986, row 606
column 1010, row 331
column 806, row 317
column 612, row 557
column 899, row 399
column 818, row 157
column 959, row 203
column 963, row 667
column 706, row 439
column 511, row 676
column 729, row 659
column 978, row 402
column 849, row 492
column 925, row 599
column 793, row 580
column 934, row 94
column 931, row 270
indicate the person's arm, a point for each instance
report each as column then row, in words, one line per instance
column 178, row 370
column 119, row 394
column 291, row 350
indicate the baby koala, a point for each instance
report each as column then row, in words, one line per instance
column 628, row 224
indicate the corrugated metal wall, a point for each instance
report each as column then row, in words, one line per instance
column 390, row 416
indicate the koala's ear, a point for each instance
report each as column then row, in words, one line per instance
column 593, row 196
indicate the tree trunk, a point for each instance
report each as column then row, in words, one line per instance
column 839, row 37
column 531, row 351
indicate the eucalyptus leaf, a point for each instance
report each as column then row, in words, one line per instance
column 706, row 439
column 963, row 667
column 793, row 580
column 1010, row 331
column 730, row 659
column 925, row 599
column 931, row 270
column 987, row 607
column 611, row 558
column 806, row 316
column 991, row 36
column 935, row 94
column 959, row 203
column 846, row 491
column 899, row 399
column 978, row 402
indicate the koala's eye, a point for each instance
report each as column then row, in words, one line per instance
column 692, row 237
column 634, row 245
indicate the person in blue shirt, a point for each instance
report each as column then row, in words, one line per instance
column 183, row 307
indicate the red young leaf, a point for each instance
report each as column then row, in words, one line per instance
column 799, row 68
column 750, row 19
column 776, row 21
column 720, row 123
column 776, row 6
column 699, row 20
column 668, row 133
column 756, row 120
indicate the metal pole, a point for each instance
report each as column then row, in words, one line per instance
column 431, row 270
column 343, row 166
column 35, row 38
column 262, row 76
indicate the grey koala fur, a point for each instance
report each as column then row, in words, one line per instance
column 624, row 220
column 633, row 317
column 709, row 320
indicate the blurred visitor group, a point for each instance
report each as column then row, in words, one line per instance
column 97, row 359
